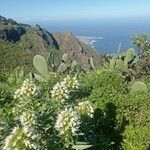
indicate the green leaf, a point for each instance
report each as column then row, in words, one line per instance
column 80, row 147
column 112, row 63
column 38, row 77
column 130, row 53
column 138, row 87
column 92, row 63
column 62, row 68
column 121, row 65
column 65, row 57
column 40, row 65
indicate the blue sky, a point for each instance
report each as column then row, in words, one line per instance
column 73, row 9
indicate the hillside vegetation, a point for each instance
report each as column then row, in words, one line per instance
column 58, row 106
column 22, row 42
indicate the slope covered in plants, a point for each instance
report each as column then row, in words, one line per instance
column 61, row 107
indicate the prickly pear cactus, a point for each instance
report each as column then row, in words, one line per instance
column 65, row 57
column 51, row 59
column 73, row 65
column 81, row 147
column 124, row 60
column 92, row 63
column 130, row 55
column 39, row 77
column 40, row 65
column 112, row 63
column 62, row 68
column 121, row 65
column 138, row 87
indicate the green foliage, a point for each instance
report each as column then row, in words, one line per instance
column 80, row 147
column 40, row 65
column 93, row 110
column 136, row 135
column 136, row 138
column 13, row 55
column 121, row 65
column 53, row 59
column 5, row 94
column 119, row 119
column 124, row 60
column 129, row 55
column 141, row 41
column 62, row 68
column 138, row 87
column 118, row 111
column 105, row 89
column 146, row 79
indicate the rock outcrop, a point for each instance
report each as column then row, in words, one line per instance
column 12, row 34
column 77, row 50
column 47, row 37
column 40, row 41
column 7, row 21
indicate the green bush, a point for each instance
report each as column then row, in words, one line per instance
column 136, row 135
column 94, row 109
column 105, row 86
column 117, row 111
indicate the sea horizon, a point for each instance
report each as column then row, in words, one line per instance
column 104, row 35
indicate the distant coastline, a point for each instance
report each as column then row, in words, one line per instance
column 89, row 39
column 103, row 35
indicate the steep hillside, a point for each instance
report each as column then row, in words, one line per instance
column 68, row 43
column 25, row 39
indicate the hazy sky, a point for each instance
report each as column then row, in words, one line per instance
column 73, row 9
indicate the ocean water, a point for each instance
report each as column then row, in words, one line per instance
column 104, row 34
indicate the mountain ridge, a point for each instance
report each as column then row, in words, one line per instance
column 40, row 41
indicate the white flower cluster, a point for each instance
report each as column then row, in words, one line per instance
column 85, row 109
column 28, row 121
column 10, row 142
column 67, row 122
column 70, row 82
column 25, row 137
column 60, row 93
column 61, row 90
column 27, row 89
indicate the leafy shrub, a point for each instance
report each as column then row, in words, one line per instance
column 105, row 89
column 93, row 110
column 136, row 110
column 136, row 138
column 138, row 87
column 142, row 41
column 105, row 85
column 116, row 111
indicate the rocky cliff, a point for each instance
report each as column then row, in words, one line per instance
column 38, row 40
column 77, row 50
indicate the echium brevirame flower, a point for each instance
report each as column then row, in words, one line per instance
column 60, row 93
column 70, row 82
column 27, row 90
column 27, row 120
column 61, row 90
column 18, row 140
column 67, row 122
column 85, row 109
